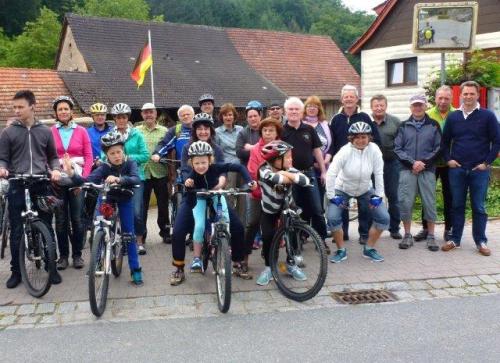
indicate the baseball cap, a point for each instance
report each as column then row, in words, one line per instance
column 148, row 106
column 418, row 99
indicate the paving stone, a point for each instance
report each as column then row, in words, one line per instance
column 26, row 309
column 496, row 277
column 360, row 287
column 66, row 307
column 209, row 308
column 472, row 280
column 456, row 282
column 403, row 295
column 339, row 288
column 8, row 320
column 477, row 289
column 487, row 279
column 440, row 293
column 458, row 291
column 45, row 308
column 491, row 287
column 183, row 300
column 125, row 304
column 8, row 310
column 50, row 319
column 28, row 319
column 421, row 294
column 145, row 302
column 166, row 300
column 206, row 298
column 397, row 286
column 252, row 295
column 83, row 307
column 419, row 285
column 438, row 283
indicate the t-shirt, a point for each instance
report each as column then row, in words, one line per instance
column 304, row 140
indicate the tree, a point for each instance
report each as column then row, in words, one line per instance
column 36, row 47
column 14, row 14
column 127, row 9
column 5, row 44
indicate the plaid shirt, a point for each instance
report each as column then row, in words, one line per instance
column 152, row 137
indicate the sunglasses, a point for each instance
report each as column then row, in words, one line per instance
column 275, row 108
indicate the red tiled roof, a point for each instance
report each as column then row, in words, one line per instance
column 300, row 65
column 45, row 84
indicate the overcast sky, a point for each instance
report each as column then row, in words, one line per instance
column 366, row 5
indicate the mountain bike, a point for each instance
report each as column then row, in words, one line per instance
column 108, row 245
column 297, row 243
column 217, row 243
column 37, row 248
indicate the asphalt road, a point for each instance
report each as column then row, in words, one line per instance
column 440, row 330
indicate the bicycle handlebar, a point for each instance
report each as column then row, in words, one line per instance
column 168, row 161
column 206, row 192
column 41, row 177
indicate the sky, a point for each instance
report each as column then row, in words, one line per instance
column 366, row 5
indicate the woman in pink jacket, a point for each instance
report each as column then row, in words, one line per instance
column 73, row 140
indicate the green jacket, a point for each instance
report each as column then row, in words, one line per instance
column 436, row 115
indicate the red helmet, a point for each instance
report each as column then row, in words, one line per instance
column 274, row 150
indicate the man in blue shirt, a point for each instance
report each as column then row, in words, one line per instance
column 471, row 141
column 98, row 112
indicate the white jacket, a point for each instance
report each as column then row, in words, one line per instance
column 351, row 169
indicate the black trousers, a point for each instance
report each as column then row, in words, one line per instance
column 161, row 190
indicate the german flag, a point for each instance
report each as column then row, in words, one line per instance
column 144, row 61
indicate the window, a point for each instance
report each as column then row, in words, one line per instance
column 402, row 72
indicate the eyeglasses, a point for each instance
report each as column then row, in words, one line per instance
column 275, row 108
column 312, row 106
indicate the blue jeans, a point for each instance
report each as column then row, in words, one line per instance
column 71, row 210
column 391, row 183
column 126, row 211
column 138, row 203
column 476, row 183
column 379, row 215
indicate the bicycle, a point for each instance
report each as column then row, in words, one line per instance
column 297, row 243
column 37, row 248
column 217, row 244
column 108, row 244
column 4, row 217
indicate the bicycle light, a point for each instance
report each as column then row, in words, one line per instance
column 106, row 210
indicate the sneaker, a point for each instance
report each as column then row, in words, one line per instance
column 372, row 254
column 448, row 246
column 56, row 278
column 177, row 277
column 483, row 249
column 396, row 235
column 137, row 277
column 62, row 263
column 241, row 270
column 14, row 280
column 265, row 277
column 141, row 250
column 407, row 241
column 296, row 272
column 420, row 236
column 362, row 240
column 431, row 244
column 196, row 265
column 339, row 256
column 447, row 236
column 78, row 262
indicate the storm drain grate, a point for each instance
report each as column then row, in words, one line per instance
column 364, row 297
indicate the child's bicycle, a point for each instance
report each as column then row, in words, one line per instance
column 217, row 244
column 108, row 245
column 296, row 243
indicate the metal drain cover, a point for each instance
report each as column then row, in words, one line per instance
column 364, row 297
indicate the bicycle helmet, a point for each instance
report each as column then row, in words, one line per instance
column 274, row 150
column 359, row 127
column 98, row 108
column 111, row 139
column 120, row 109
column 254, row 105
column 49, row 203
column 60, row 99
column 206, row 97
column 200, row 148
column 202, row 118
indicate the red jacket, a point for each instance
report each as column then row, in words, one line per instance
column 254, row 163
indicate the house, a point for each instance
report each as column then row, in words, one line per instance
column 388, row 63
column 96, row 56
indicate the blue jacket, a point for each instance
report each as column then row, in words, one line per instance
column 175, row 138
column 95, row 139
column 128, row 172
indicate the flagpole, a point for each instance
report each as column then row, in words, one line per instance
column 151, row 69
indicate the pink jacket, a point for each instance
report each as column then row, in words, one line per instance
column 254, row 163
column 79, row 147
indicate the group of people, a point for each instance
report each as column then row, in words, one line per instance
column 373, row 157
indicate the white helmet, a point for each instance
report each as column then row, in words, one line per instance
column 359, row 127
column 200, row 148
column 120, row 109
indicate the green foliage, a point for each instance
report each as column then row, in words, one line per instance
column 15, row 13
column 36, row 47
column 127, row 9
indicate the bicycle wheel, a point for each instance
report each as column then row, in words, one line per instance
column 37, row 260
column 285, row 259
column 222, row 267
column 5, row 229
column 98, row 278
column 117, row 249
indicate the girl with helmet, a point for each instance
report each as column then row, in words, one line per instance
column 204, row 175
column 136, row 150
column 276, row 170
column 123, row 171
column 350, row 176
column 73, row 142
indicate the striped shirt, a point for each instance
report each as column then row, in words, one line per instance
column 272, row 198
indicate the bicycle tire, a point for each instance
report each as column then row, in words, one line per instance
column 44, row 250
column 97, row 259
column 117, row 250
column 5, row 229
column 223, row 270
column 316, row 246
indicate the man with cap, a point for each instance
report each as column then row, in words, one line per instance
column 275, row 111
column 155, row 173
column 418, row 145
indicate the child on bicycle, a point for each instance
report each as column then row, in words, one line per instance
column 124, row 172
column 274, row 175
column 205, row 175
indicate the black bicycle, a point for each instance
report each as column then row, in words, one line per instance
column 297, row 245
column 217, row 244
column 108, row 246
column 37, row 248
column 4, row 217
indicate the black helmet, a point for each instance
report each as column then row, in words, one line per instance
column 60, row 99
column 206, row 97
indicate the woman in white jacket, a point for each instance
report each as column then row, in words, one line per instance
column 350, row 176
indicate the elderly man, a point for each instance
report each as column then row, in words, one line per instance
column 418, row 145
column 439, row 113
column 471, row 141
column 348, row 114
column 306, row 151
column 155, row 173
column 388, row 126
